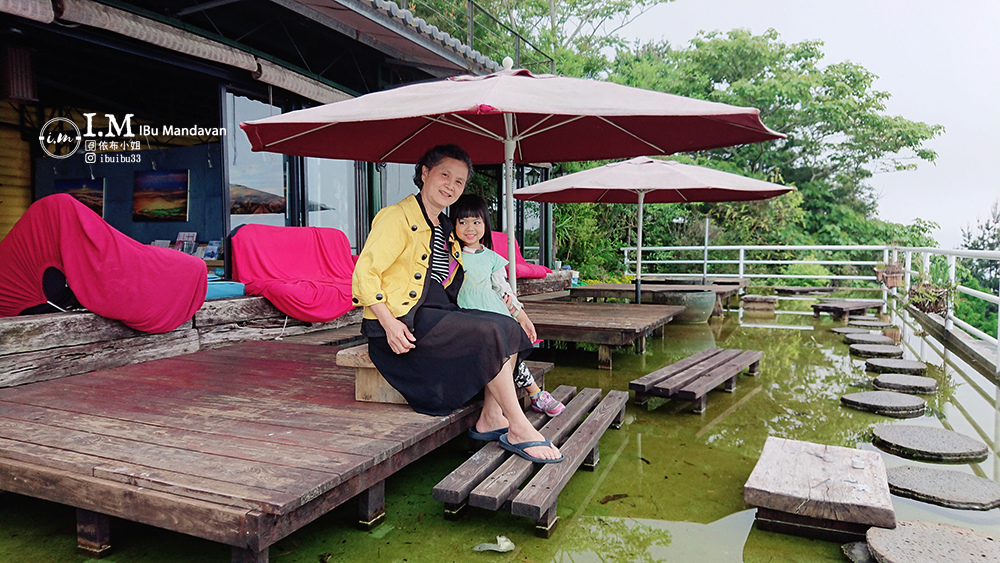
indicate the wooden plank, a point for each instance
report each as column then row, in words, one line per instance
column 455, row 488
column 717, row 376
column 646, row 382
column 347, row 335
column 542, row 491
column 31, row 333
column 496, row 489
column 235, row 310
column 201, row 519
column 820, row 481
column 273, row 328
column 672, row 384
column 28, row 367
column 794, row 524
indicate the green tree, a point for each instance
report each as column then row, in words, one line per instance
column 986, row 236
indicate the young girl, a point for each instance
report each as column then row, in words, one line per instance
column 486, row 288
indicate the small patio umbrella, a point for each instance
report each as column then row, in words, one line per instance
column 509, row 117
column 646, row 180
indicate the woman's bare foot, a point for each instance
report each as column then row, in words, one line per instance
column 487, row 423
column 541, row 452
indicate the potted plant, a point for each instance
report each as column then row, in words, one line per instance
column 890, row 274
column 929, row 297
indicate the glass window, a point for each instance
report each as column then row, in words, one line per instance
column 258, row 181
column 332, row 196
column 397, row 183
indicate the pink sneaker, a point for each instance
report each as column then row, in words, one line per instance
column 547, row 404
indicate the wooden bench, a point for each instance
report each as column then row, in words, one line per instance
column 841, row 309
column 371, row 387
column 693, row 377
column 491, row 478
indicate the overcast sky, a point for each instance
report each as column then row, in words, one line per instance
column 939, row 59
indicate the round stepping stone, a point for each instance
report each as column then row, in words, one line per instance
column 928, row 443
column 906, row 383
column 858, row 552
column 869, row 324
column 929, row 541
column 868, row 338
column 876, row 351
column 863, row 318
column 944, row 487
column 886, row 403
column 850, row 330
column 891, row 365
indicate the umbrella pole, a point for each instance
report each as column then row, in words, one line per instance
column 638, row 255
column 508, row 175
column 704, row 271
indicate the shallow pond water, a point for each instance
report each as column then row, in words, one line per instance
column 669, row 486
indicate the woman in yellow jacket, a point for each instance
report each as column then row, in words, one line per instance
column 437, row 355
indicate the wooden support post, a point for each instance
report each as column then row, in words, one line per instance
column 603, row 356
column 658, row 331
column 641, row 398
column 700, row 404
column 731, row 384
column 619, row 419
column 546, row 525
column 453, row 510
column 640, row 345
column 592, row 458
column 371, row 506
column 93, row 533
column 754, row 368
column 247, row 555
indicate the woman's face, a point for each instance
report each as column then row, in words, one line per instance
column 443, row 184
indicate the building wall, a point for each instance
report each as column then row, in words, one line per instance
column 15, row 170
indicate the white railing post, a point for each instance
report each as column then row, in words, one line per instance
column 925, row 266
column 742, row 257
column 950, row 314
column 908, row 260
column 885, row 255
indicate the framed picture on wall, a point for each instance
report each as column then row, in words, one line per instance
column 86, row 191
column 160, row 195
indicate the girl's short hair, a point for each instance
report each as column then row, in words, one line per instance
column 434, row 157
column 471, row 205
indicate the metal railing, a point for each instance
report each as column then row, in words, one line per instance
column 849, row 261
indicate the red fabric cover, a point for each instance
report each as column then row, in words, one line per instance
column 524, row 270
column 304, row 271
column 148, row 288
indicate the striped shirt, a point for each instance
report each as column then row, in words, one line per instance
column 438, row 270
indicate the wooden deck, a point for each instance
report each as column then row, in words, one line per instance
column 651, row 292
column 240, row 445
column 604, row 324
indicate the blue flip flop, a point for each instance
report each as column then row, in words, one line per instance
column 486, row 436
column 519, row 448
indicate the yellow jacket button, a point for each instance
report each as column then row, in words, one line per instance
column 378, row 296
column 424, row 257
column 414, row 227
column 355, row 300
column 413, row 294
column 417, row 276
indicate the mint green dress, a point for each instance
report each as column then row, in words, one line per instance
column 477, row 291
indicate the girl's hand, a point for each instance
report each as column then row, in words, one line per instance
column 527, row 325
column 401, row 340
column 509, row 302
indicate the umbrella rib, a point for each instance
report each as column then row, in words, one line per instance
column 313, row 130
column 474, row 129
column 529, row 132
column 406, row 140
column 630, row 134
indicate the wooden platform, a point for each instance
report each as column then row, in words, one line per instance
column 819, row 491
column 693, row 377
column 604, row 324
column 840, row 309
column 240, row 445
column 799, row 290
column 684, row 280
column 651, row 292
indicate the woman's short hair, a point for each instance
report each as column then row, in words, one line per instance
column 434, row 157
column 471, row 205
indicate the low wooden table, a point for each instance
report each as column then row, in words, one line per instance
column 604, row 324
column 840, row 309
column 693, row 377
column 651, row 292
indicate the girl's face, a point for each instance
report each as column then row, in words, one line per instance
column 443, row 184
column 471, row 231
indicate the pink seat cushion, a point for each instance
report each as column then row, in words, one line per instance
column 148, row 288
column 304, row 271
column 524, row 270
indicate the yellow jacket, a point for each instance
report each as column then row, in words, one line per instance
column 393, row 264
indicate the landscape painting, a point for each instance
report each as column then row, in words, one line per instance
column 86, row 191
column 160, row 195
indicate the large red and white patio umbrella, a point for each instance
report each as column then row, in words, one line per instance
column 509, row 117
column 648, row 180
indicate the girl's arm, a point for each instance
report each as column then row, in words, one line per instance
column 498, row 280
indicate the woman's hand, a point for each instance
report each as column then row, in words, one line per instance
column 527, row 325
column 401, row 340
column 399, row 337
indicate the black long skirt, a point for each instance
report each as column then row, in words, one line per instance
column 457, row 352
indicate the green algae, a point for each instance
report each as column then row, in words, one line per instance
column 669, row 486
